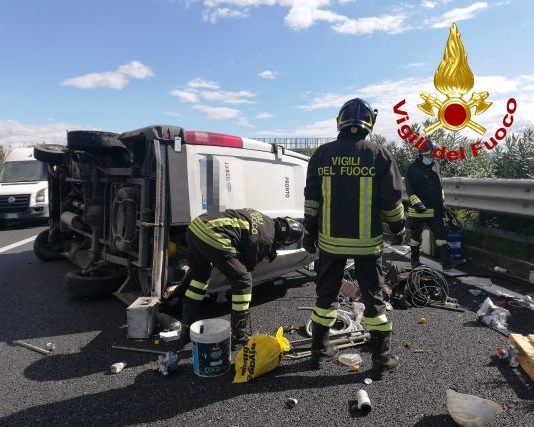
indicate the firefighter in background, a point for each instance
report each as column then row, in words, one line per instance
column 426, row 209
column 233, row 241
column 352, row 185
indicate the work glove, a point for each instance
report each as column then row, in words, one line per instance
column 419, row 207
column 309, row 242
column 398, row 238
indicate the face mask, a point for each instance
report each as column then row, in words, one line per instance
column 428, row 160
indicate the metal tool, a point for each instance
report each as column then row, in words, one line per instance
column 32, row 347
column 352, row 339
column 137, row 350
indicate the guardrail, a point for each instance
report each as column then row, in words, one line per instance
column 505, row 196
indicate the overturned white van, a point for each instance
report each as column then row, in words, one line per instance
column 124, row 201
column 23, row 186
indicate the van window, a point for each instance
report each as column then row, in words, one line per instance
column 31, row 170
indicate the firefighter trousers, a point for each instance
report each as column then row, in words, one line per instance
column 201, row 257
column 368, row 272
column 436, row 225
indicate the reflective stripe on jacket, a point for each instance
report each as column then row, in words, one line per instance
column 351, row 186
column 423, row 185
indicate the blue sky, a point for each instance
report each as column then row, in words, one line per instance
column 246, row 67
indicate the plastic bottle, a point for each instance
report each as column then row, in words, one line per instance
column 364, row 403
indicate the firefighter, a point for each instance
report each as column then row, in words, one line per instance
column 426, row 205
column 233, row 241
column 352, row 184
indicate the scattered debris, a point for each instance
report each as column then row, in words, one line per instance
column 368, row 381
column 475, row 292
column 356, row 368
column 137, row 350
column 422, row 320
column 493, row 316
column 50, row 346
column 512, row 357
column 32, row 347
column 350, row 359
column 169, row 335
column 167, row 363
column 420, row 350
column 169, row 323
column 290, row 403
column 364, row 403
column 117, row 367
column 502, row 353
column 407, row 345
column 525, row 348
column 473, row 411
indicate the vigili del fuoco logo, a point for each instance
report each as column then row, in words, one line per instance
column 454, row 79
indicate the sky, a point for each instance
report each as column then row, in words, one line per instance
column 254, row 68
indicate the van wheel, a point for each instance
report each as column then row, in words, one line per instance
column 50, row 153
column 98, row 283
column 43, row 250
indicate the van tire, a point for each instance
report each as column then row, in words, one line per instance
column 50, row 153
column 102, row 282
column 43, row 250
column 87, row 140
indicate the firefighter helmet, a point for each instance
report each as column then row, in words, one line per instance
column 288, row 231
column 428, row 148
column 356, row 113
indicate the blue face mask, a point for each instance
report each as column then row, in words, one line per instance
column 428, row 160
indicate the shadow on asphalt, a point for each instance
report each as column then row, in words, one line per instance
column 435, row 420
column 167, row 397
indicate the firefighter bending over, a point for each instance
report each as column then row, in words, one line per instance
column 234, row 242
column 352, row 185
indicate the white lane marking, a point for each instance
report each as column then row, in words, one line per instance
column 17, row 244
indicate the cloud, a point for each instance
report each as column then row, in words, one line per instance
column 391, row 24
column 111, row 79
column 213, row 15
column 185, row 95
column 218, row 113
column 14, row 133
column 228, row 97
column 199, row 83
column 173, row 114
column 268, row 74
column 303, row 14
column 429, row 4
column 458, row 14
column 264, row 116
column 384, row 95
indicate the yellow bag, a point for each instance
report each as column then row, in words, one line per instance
column 260, row 355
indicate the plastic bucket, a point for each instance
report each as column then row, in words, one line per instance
column 211, row 347
column 456, row 244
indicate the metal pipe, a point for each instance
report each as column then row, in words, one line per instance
column 32, row 347
column 137, row 350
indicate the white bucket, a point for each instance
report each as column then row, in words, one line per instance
column 211, row 347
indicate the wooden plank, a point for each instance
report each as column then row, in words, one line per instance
column 526, row 364
column 525, row 347
column 523, row 344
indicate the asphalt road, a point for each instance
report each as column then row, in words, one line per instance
column 73, row 386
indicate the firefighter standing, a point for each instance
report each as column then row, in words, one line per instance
column 352, row 185
column 425, row 192
column 234, row 241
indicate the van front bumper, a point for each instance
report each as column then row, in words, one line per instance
column 34, row 212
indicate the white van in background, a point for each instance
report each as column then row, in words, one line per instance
column 23, row 186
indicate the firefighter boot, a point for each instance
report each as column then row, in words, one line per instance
column 383, row 360
column 415, row 256
column 190, row 314
column 321, row 348
column 445, row 257
column 240, row 324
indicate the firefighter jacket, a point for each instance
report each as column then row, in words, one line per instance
column 351, row 186
column 245, row 233
column 423, row 185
